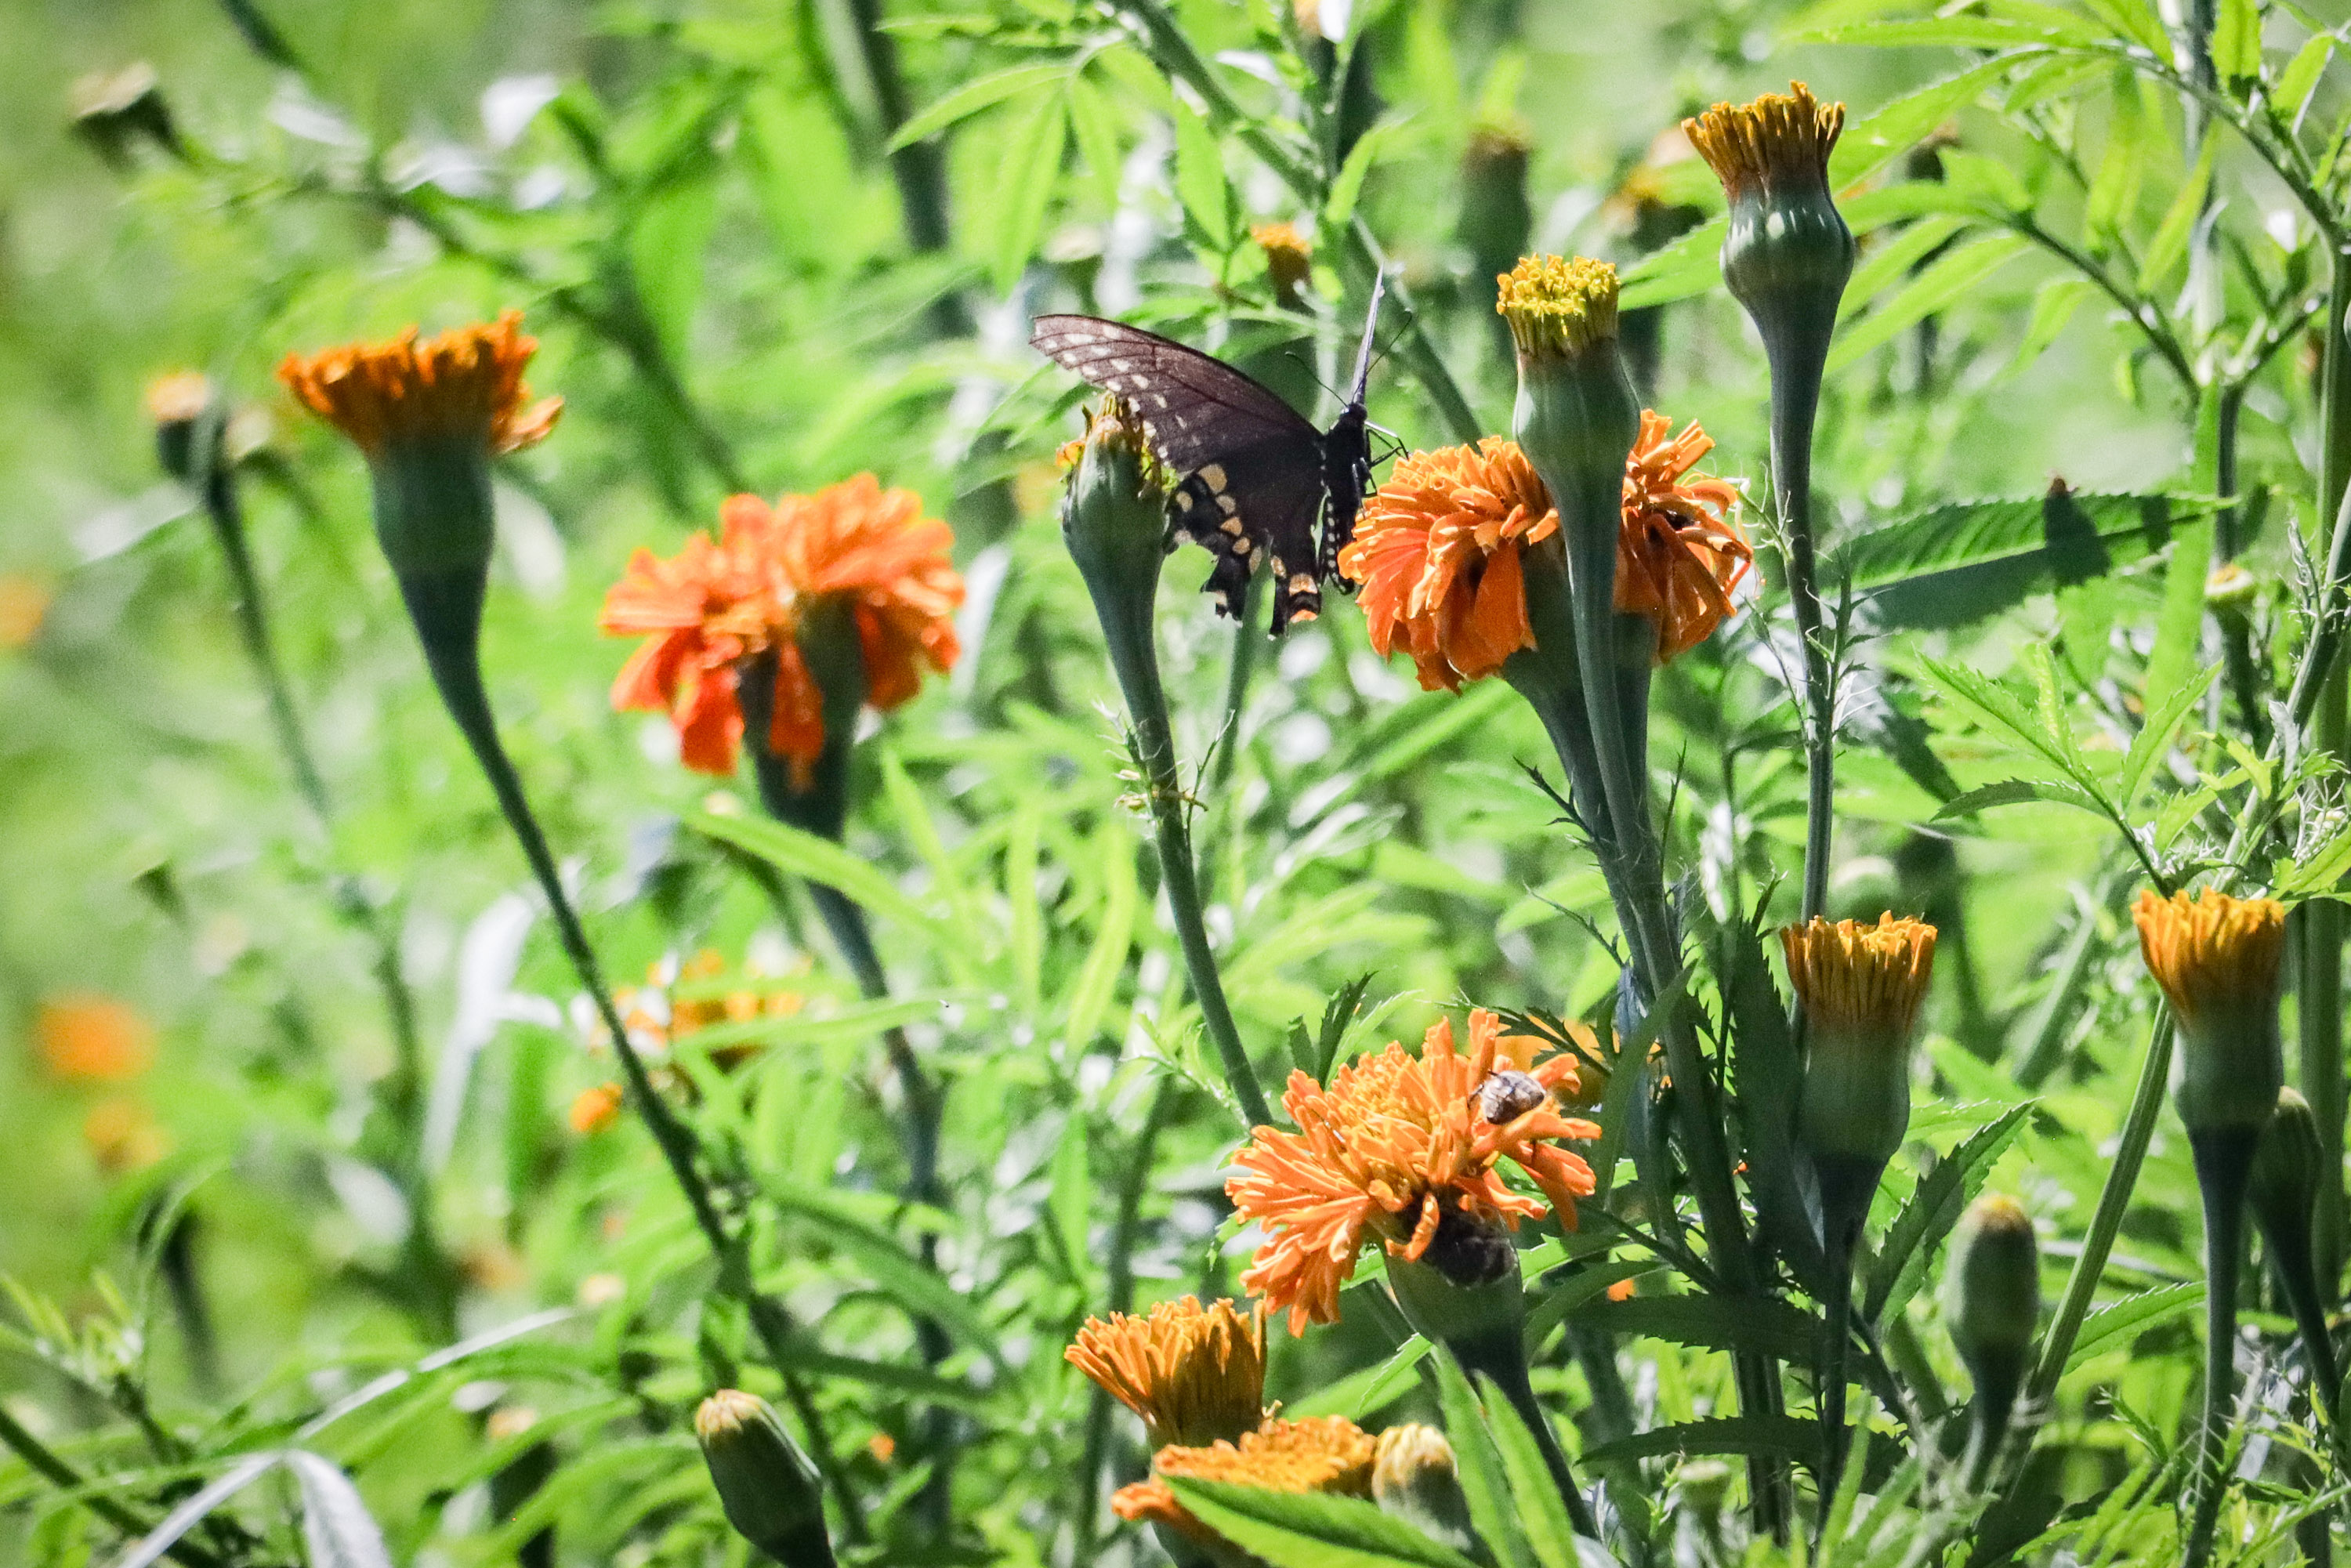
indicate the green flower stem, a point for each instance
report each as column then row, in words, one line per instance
column 447, row 610
column 1118, row 1296
column 1796, row 370
column 2223, row 1159
column 44, row 1462
column 1134, row 660
column 2114, row 1198
column 1848, row 1185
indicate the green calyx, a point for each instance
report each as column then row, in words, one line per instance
column 829, row 645
column 767, row 1485
column 1114, row 517
column 433, row 509
column 1479, row 1311
column 1786, row 258
column 1854, row 1100
column 2229, row 1068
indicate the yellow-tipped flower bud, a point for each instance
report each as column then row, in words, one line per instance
column 1860, row 987
column 2219, row 960
column 1789, row 253
column 177, row 404
column 1992, row 1303
column 1289, row 260
column 766, row 1484
column 1414, row 1477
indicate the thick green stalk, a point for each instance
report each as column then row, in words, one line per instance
column 2114, row 1199
column 1118, row 1296
column 1796, row 370
column 2319, row 1006
column 447, row 610
column 2223, row 1159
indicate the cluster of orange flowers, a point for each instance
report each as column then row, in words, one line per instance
column 679, row 1000
column 1437, row 551
column 706, row 610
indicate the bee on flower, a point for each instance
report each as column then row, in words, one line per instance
column 1405, row 1150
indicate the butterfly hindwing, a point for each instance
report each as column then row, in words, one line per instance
column 1256, row 507
column 1251, row 466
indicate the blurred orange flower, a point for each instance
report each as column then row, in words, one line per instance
column 23, row 604
column 681, row 999
column 1679, row 555
column 90, row 1038
column 596, row 1110
column 1391, row 1146
column 715, row 605
column 123, row 1136
column 465, row 383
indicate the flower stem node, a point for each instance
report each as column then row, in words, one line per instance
column 1788, row 253
column 1860, row 987
column 2220, row 961
column 767, row 1485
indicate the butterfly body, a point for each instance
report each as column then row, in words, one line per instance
column 1255, row 476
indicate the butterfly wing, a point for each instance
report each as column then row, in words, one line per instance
column 1251, row 465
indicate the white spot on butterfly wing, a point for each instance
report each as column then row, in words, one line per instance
column 1213, row 474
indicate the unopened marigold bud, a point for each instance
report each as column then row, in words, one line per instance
column 177, row 404
column 2220, row 961
column 1788, row 253
column 1860, row 987
column 115, row 111
column 766, row 1484
column 1992, row 1303
column 1495, row 215
column 1414, row 1477
column 2289, row 1164
column 1289, row 260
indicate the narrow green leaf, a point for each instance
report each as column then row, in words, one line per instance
column 1877, row 139
column 2301, row 77
column 2154, row 737
column 1483, row 1481
column 1690, row 265
column 2132, row 1316
column 2137, row 22
column 2169, row 246
column 1200, row 182
column 912, row 815
column 1097, row 982
column 2179, row 624
column 2315, row 871
column 1952, row 276
column 2017, row 793
column 2114, row 189
column 1312, row 1530
column 1336, row 1016
column 968, row 100
column 1765, row 1070
column 2054, row 305
column 1094, row 124
column 1770, row 1437
column 1071, row 1200
column 1339, row 207
column 2237, row 42
column 1032, row 169
column 1589, row 1284
column 1956, row 564
column 1360, row 1395
column 1549, row 1530
column 1891, row 262
column 1901, row 1263
column 1950, row 32
column 790, row 850
column 1027, row 919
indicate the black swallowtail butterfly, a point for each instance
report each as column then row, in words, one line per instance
column 1255, row 476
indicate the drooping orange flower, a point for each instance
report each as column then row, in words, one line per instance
column 90, row 1038
column 1195, row 1375
column 1678, row 554
column 1328, row 1455
column 463, row 384
column 1437, row 551
column 715, row 605
column 1395, row 1144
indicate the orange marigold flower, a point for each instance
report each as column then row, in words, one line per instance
column 1289, row 258
column 1858, row 981
column 1329, row 1455
column 713, row 605
column 1195, row 1375
column 1391, row 1146
column 596, row 1110
column 2212, row 954
column 1436, row 552
column 465, row 383
column 93, row 1039
column 24, row 605
column 1679, row 555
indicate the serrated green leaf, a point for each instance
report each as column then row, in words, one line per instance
column 1200, row 182
column 1361, row 1396
column 1484, row 1483
column 1690, row 265
column 1025, row 185
column 1312, row 1530
column 1339, row 207
column 1889, row 263
column 968, row 100
column 2301, row 77
column 1936, row 289
column 806, row 854
column 2135, row 21
column 1336, row 1015
column 2130, row 1316
column 1550, row 1531
column 1957, row 563
column 1589, row 1284
column 1954, row 32
column 2018, row 792
column 2154, row 739
column 1094, row 125
column 1937, row 1205
column 2319, row 870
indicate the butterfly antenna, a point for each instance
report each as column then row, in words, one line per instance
column 1370, row 332
column 1308, row 366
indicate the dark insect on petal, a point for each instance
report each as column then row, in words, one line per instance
column 1509, row 1094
